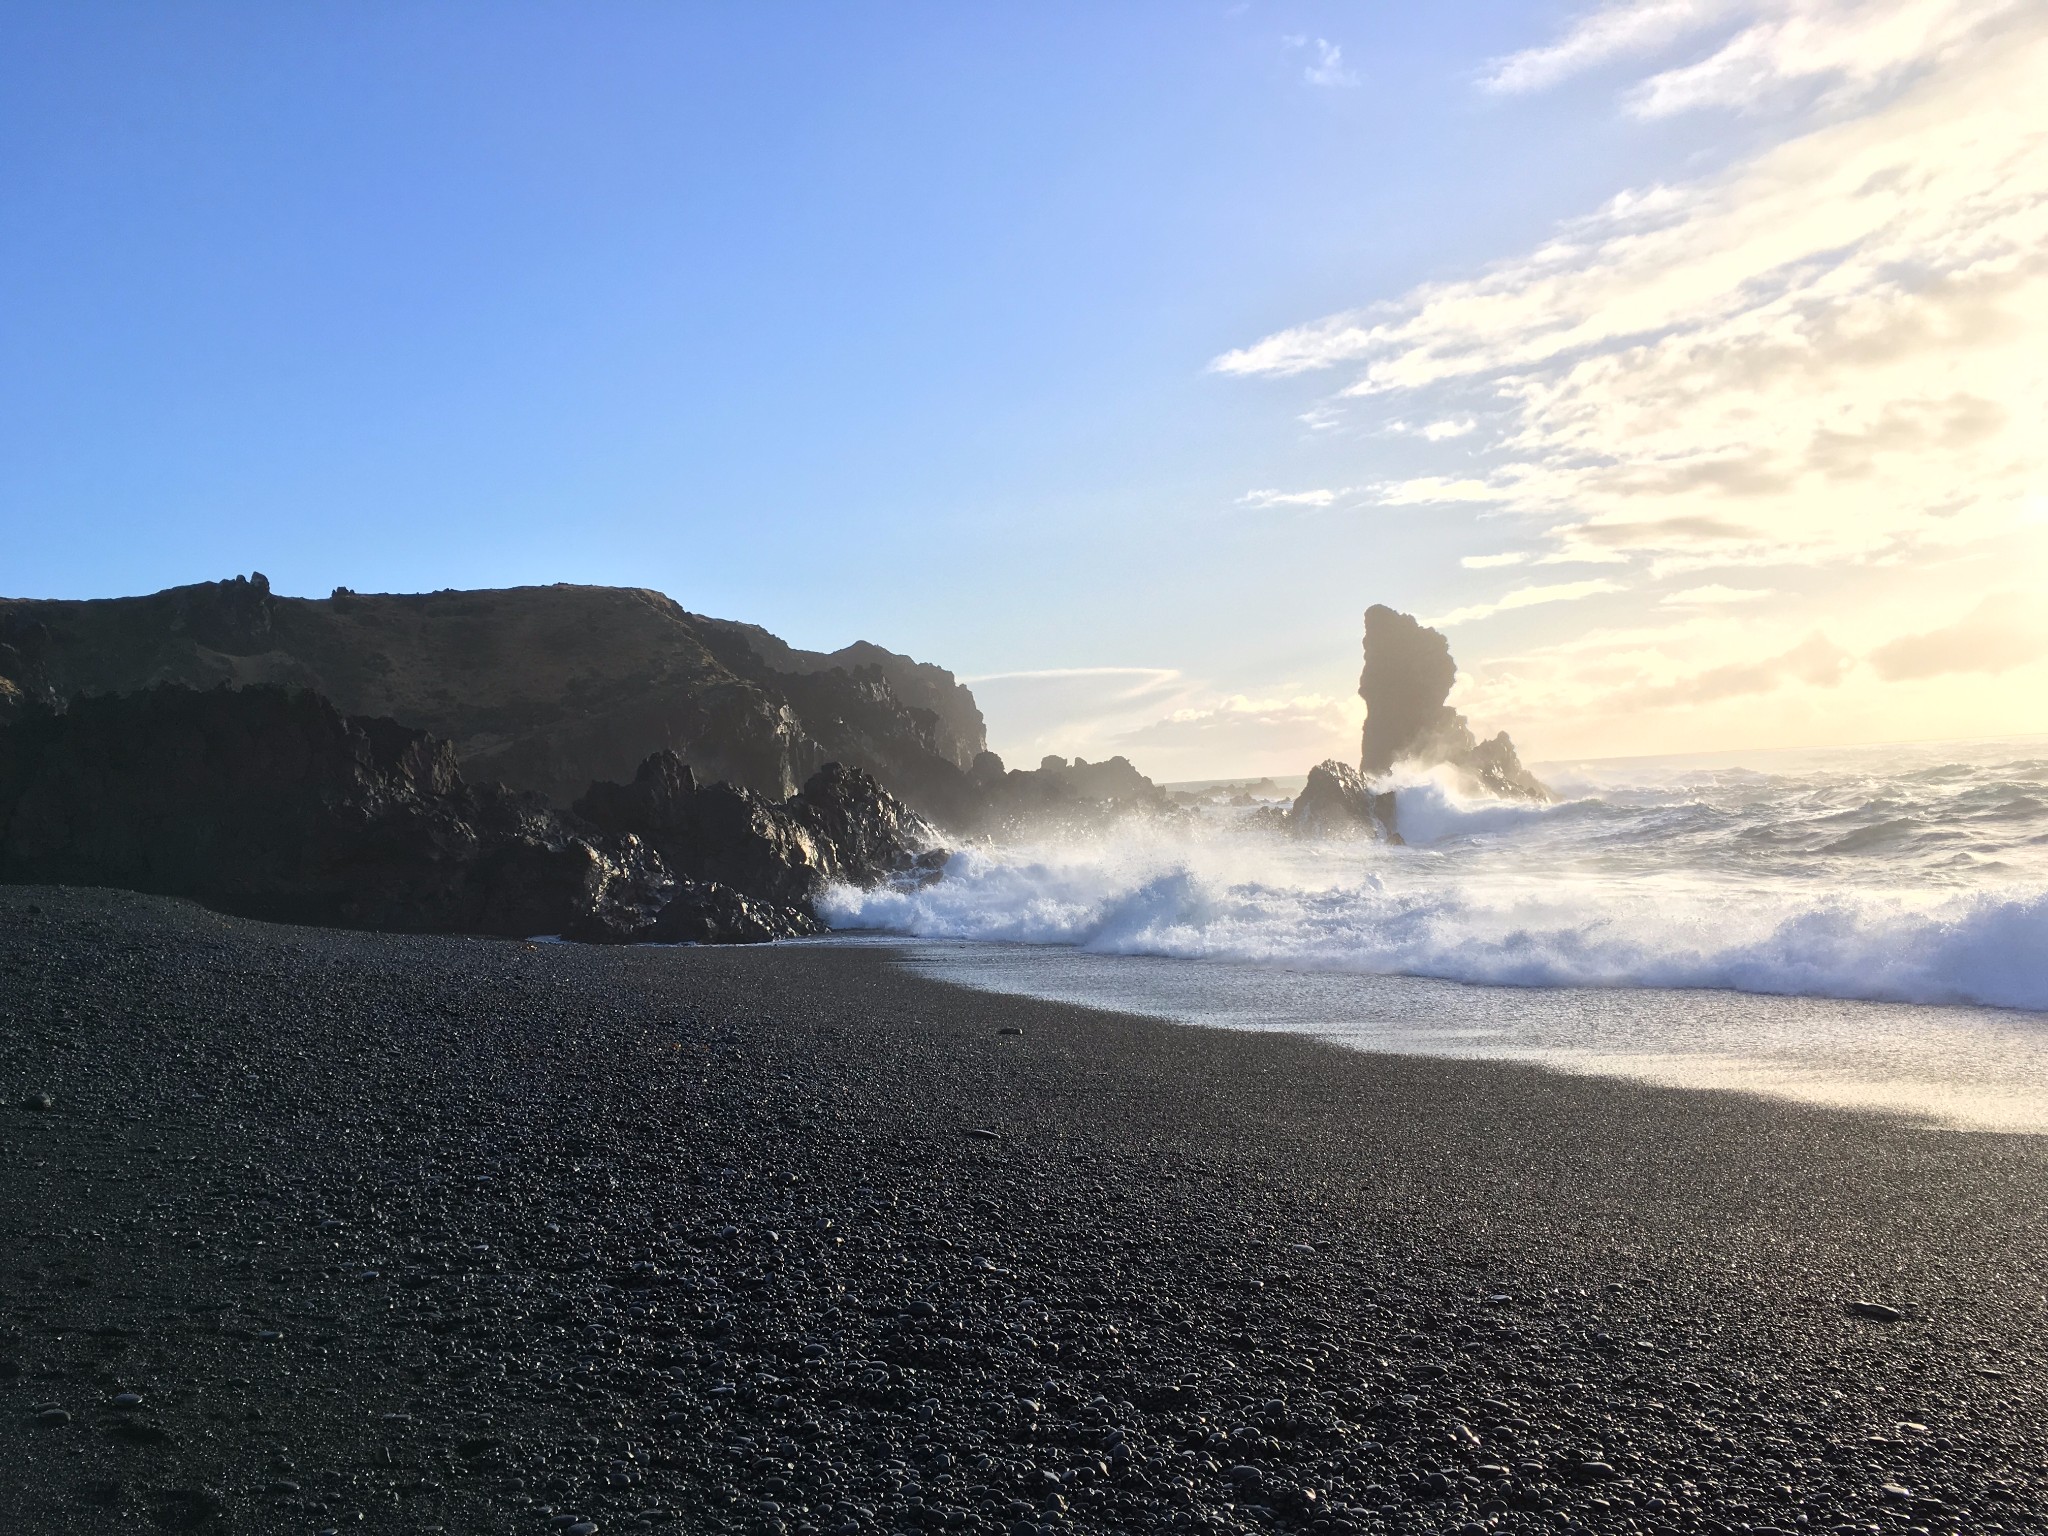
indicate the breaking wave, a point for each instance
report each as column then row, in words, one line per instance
column 1850, row 877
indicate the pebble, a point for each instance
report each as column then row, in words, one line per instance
column 1877, row 1311
column 40, row 1102
column 864, row 1372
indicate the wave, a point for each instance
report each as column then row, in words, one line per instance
column 1875, row 874
column 1434, row 809
column 1233, row 900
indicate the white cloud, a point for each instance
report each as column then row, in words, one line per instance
column 1171, row 725
column 1713, row 596
column 1529, row 597
column 1328, row 69
column 1491, row 562
column 1829, row 353
column 1823, row 366
column 1600, row 37
column 1435, row 431
column 1849, row 47
column 1261, row 500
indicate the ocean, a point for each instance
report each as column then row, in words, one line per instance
column 1863, row 927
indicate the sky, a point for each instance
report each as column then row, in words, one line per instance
column 1681, row 359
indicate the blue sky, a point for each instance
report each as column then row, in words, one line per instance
column 935, row 325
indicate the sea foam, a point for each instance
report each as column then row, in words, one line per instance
column 1922, row 886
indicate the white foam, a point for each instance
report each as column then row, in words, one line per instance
column 1747, row 882
column 1435, row 808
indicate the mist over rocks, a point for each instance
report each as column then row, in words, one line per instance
column 1058, row 793
column 1407, row 677
column 1338, row 802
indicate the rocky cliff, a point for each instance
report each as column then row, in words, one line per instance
column 542, row 688
column 270, row 803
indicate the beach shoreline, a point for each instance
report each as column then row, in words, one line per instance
column 413, row 1233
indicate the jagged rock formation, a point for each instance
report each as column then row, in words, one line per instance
column 703, row 912
column 840, row 826
column 1337, row 802
column 542, row 688
column 1059, row 792
column 1408, row 676
column 961, row 734
column 271, row 803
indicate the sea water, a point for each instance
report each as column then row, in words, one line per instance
column 1885, row 910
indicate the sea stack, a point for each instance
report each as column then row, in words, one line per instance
column 1408, row 676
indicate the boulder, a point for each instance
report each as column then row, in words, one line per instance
column 1337, row 802
column 866, row 832
column 713, row 832
column 702, row 912
column 841, row 826
column 1408, row 674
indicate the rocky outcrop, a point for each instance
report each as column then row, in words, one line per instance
column 272, row 804
column 541, row 688
column 1062, row 793
column 1407, row 678
column 1337, row 802
column 868, row 834
column 715, row 832
column 698, row 912
column 960, row 735
column 841, row 826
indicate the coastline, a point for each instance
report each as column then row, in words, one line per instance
column 396, row 1233
column 1956, row 1066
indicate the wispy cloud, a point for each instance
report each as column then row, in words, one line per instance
column 1327, row 68
column 2004, row 631
column 1435, row 431
column 1492, row 562
column 1260, row 500
column 1529, row 597
column 1830, row 352
column 1713, row 596
column 1848, row 48
column 1816, row 661
column 1600, row 37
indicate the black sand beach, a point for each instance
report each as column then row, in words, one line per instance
column 307, row 1230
